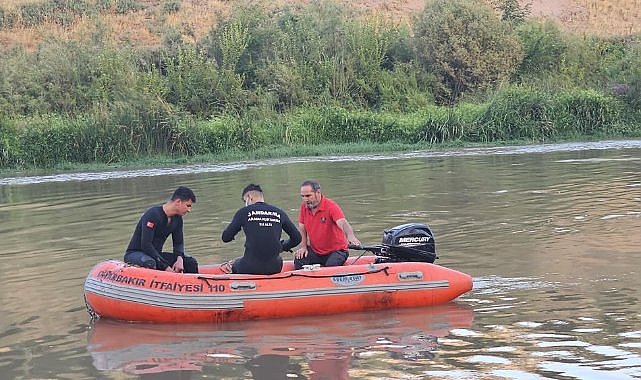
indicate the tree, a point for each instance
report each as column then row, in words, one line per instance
column 543, row 49
column 512, row 11
column 466, row 45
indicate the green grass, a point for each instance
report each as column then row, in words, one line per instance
column 322, row 150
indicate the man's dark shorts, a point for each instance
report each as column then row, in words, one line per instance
column 332, row 259
column 141, row 259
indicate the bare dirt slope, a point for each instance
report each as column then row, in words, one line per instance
column 148, row 25
column 607, row 18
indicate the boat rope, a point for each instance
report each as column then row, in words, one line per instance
column 277, row 276
column 384, row 269
column 359, row 256
column 294, row 274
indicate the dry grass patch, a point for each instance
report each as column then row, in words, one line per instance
column 608, row 18
column 193, row 19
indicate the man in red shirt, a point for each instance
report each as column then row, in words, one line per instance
column 324, row 229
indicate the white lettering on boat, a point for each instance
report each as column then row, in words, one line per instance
column 349, row 280
column 153, row 284
column 116, row 277
column 176, row 286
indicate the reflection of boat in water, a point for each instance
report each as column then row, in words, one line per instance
column 323, row 341
column 400, row 274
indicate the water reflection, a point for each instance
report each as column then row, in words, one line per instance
column 295, row 347
column 549, row 233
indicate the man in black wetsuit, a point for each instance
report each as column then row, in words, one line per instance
column 153, row 229
column 262, row 224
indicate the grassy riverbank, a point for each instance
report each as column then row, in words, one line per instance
column 283, row 80
column 314, row 150
column 51, row 141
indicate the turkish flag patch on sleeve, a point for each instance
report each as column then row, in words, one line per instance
column 150, row 224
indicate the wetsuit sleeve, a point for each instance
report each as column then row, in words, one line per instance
column 147, row 233
column 291, row 230
column 234, row 227
column 178, row 239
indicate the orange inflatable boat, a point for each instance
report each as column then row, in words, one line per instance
column 119, row 291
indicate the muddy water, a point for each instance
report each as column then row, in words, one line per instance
column 551, row 235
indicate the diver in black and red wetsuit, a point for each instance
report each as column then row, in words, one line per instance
column 263, row 225
column 153, row 229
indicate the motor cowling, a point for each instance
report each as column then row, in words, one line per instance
column 409, row 242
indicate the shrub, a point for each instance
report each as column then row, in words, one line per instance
column 104, row 5
column 586, row 112
column 517, row 113
column 45, row 141
column 8, row 19
column 171, row 6
column 125, row 6
column 440, row 124
column 544, row 48
column 214, row 136
column 512, row 11
column 466, row 46
column 625, row 76
column 9, row 145
column 33, row 14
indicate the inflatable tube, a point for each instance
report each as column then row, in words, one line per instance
column 119, row 291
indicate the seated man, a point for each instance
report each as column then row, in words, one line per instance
column 324, row 229
column 263, row 225
column 153, row 229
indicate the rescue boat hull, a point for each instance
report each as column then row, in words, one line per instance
column 115, row 290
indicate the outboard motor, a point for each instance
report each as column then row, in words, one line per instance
column 409, row 242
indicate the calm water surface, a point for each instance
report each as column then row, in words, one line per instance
column 551, row 235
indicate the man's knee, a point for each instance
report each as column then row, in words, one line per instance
column 307, row 260
column 140, row 259
column 336, row 259
column 148, row 262
column 190, row 264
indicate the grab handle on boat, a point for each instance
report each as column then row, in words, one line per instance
column 242, row 285
column 410, row 276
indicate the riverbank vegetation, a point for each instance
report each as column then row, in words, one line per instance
column 289, row 77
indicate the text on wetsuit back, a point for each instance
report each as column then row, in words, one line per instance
column 264, row 218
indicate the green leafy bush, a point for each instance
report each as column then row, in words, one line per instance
column 586, row 112
column 125, row 6
column 171, row 6
column 308, row 75
column 544, row 47
column 8, row 19
column 10, row 150
column 517, row 113
column 466, row 45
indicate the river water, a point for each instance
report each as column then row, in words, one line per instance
column 551, row 235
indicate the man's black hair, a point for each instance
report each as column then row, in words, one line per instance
column 183, row 193
column 314, row 184
column 251, row 187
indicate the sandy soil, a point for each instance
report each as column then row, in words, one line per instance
column 556, row 9
column 601, row 17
